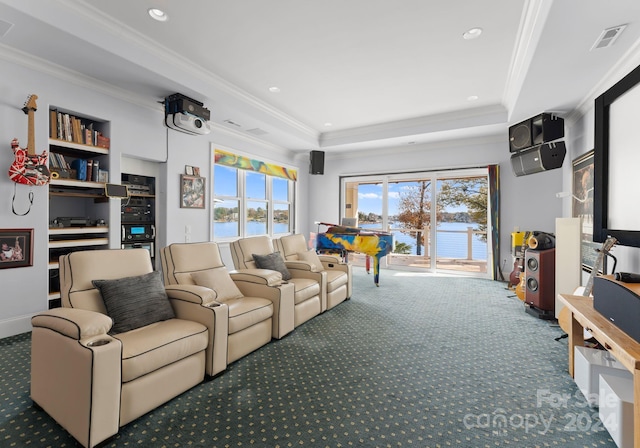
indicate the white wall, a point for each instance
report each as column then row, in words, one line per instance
column 528, row 202
column 581, row 141
column 137, row 137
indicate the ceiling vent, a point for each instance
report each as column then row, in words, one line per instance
column 257, row 131
column 608, row 37
column 231, row 123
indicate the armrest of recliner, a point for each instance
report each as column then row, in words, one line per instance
column 78, row 324
column 73, row 356
column 258, row 276
column 324, row 258
column 282, row 297
column 197, row 294
column 300, row 265
column 197, row 303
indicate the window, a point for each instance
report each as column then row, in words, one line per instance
column 249, row 202
column 439, row 220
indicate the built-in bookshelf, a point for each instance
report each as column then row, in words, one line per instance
column 79, row 150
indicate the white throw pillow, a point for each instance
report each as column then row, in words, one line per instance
column 311, row 256
column 220, row 281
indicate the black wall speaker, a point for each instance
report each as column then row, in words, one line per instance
column 544, row 157
column 540, row 129
column 540, row 278
column 316, row 162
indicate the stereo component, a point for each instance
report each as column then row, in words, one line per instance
column 142, row 232
column 141, row 245
column 544, row 157
column 540, row 279
column 316, row 162
column 534, row 131
column 178, row 103
column 619, row 302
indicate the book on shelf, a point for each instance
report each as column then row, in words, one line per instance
column 53, row 123
column 95, row 171
column 67, row 127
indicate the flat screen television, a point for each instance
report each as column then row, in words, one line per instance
column 616, row 195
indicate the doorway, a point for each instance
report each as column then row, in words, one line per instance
column 439, row 219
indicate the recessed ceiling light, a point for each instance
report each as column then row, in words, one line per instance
column 328, row 125
column 472, row 98
column 472, row 33
column 158, row 14
column 274, row 89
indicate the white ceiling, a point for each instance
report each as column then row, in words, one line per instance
column 382, row 72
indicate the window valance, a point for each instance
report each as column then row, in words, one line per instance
column 245, row 163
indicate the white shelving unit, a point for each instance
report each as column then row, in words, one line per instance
column 78, row 209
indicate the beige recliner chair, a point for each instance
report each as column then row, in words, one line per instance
column 256, row 312
column 339, row 277
column 309, row 286
column 94, row 373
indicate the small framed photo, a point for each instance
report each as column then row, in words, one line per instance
column 188, row 170
column 192, row 191
column 16, row 248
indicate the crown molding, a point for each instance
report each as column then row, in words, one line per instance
column 134, row 39
column 35, row 63
column 629, row 61
column 534, row 17
column 449, row 121
column 408, row 150
column 239, row 135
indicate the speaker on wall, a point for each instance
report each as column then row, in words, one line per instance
column 540, row 278
column 547, row 156
column 540, row 129
column 316, row 162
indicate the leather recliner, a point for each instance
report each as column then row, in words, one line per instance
column 91, row 380
column 339, row 274
column 309, row 286
column 259, row 308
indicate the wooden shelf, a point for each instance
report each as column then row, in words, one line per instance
column 79, row 243
column 77, row 146
column 77, row 230
column 72, row 194
column 76, row 183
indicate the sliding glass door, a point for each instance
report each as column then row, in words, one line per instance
column 439, row 219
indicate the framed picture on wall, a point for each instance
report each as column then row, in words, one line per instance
column 17, row 248
column 192, row 191
column 582, row 207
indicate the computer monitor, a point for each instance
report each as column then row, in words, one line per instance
column 350, row 222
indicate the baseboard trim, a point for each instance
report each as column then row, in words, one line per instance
column 14, row 326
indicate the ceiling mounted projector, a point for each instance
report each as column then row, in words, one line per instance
column 187, row 123
column 186, row 115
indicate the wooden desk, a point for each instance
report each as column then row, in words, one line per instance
column 622, row 346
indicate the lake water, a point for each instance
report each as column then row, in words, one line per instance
column 450, row 244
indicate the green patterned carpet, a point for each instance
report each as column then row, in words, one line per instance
column 421, row 361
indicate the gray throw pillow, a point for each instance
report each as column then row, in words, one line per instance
column 273, row 262
column 133, row 302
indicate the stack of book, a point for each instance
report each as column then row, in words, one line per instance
column 80, row 169
column 69, row 128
